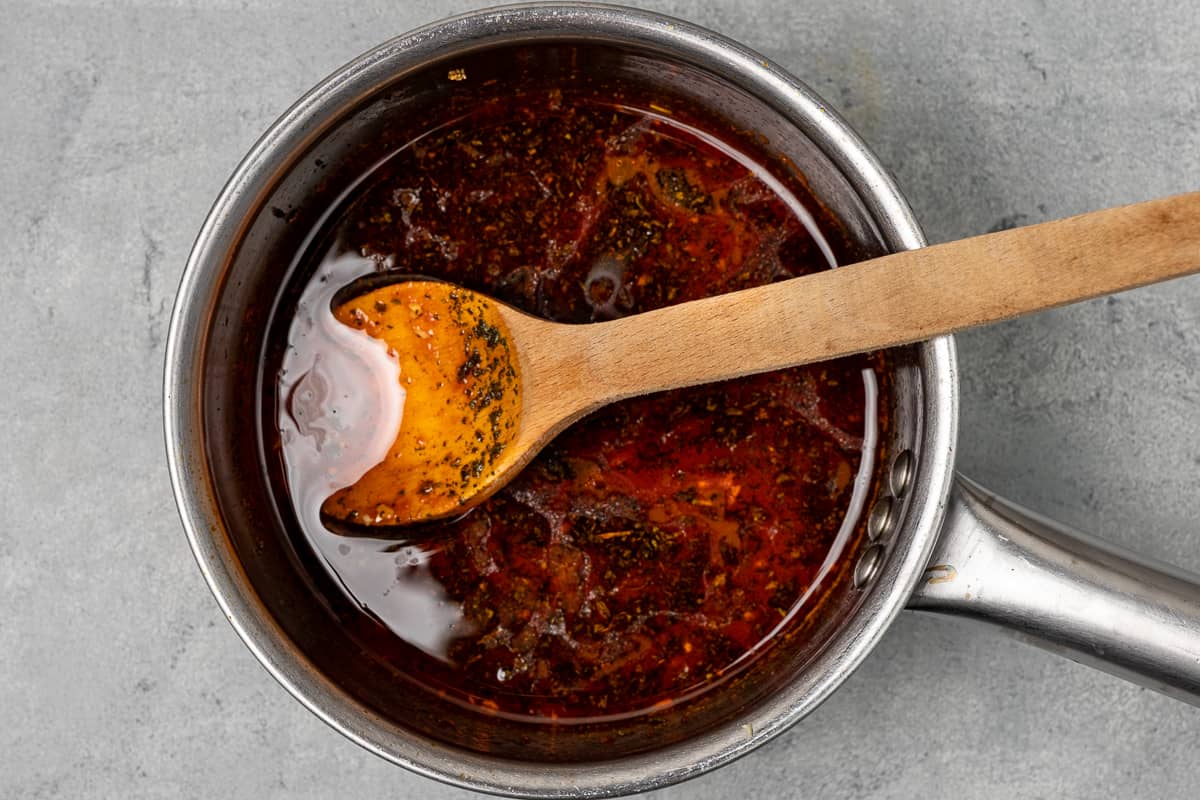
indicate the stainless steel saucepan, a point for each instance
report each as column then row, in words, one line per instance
column 935, row 542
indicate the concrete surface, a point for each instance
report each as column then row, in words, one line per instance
column 119, row 122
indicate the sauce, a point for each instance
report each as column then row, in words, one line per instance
column 659, row 546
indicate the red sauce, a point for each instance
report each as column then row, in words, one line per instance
column 659, row 545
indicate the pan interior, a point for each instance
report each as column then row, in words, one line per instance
column 282, row 574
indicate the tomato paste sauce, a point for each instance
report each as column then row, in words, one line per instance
column 662, row 543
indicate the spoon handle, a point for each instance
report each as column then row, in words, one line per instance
column 897, row 299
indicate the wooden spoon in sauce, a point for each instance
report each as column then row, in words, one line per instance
column 488, row 386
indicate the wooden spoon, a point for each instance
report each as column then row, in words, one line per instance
column 494, row 385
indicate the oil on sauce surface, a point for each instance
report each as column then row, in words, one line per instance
column 654, row 547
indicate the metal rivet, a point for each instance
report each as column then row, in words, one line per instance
column 901, row 472
column 879, row 523
column 868, row 565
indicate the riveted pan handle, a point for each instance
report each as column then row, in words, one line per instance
column 1065, row 591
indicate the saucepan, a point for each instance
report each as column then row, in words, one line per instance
column 933, row 540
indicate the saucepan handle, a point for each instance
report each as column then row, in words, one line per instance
column 1065, row 591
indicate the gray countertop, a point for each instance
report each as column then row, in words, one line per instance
column 119, row 123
